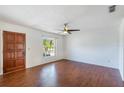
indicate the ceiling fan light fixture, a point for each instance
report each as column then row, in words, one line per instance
column 65, row 32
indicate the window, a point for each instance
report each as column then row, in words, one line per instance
column 48, row 47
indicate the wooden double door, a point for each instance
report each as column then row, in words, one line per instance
column 13, row 51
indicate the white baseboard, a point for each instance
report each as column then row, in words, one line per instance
column 92, row 63
column 43, row 63
column 1, row 73
column 122, row 75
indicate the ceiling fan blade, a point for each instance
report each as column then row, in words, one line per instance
column 60, row 30
column 66, row 24
column 74, row 30
column 69, row 32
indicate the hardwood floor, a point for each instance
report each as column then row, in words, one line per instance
column 64, row 74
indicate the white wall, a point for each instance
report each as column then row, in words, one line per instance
column 33, row 45
column 99, row 46
column 121, row 51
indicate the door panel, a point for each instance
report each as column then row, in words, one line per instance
column 10, row 65
column 10, row 37
column 10, row 55
column 20, row 62
column 19, row 46
column 20, row 49
column 14, row 51
column 10, row 46
column 20, row 38
column 19, row 55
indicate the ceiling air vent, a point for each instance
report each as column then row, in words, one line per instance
column 112, row 8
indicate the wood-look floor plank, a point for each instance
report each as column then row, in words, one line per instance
column 63, row 73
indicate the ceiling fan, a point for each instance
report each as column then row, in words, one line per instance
column 66, row 30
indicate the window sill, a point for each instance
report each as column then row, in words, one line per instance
column 48, row 56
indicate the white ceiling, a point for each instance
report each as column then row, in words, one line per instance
column 51, row 18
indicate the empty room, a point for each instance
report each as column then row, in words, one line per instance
column 61, row 45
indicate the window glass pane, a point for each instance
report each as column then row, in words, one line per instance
column 48, row 47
